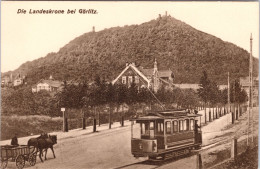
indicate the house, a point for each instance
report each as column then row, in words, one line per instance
column 196, row 86
column 6, row 80
column 49, row 85
column 245, row 84
column 151, row 78
column 18, row 80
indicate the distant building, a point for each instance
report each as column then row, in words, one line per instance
column 244, row 82
column 18, row 80
column 49, row 85
column 195, row 86
column 152, row 78
column 6, row 81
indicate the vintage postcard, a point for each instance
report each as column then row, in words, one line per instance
column 121, row 85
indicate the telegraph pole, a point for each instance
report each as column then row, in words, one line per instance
column 228, row 94
column 250, row 91
column 251, row 84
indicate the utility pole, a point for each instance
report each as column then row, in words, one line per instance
column 228, row 93
column 228, row 98
column 251, row 84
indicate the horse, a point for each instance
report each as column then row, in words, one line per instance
column 49, row 142
column 43, row 143
column 34, row 141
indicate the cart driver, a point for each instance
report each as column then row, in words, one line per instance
column 14, row 141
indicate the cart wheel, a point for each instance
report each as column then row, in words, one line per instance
column 4, row 164
column 20, row 161
column 32, row 159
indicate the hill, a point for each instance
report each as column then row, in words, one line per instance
column 175, row 45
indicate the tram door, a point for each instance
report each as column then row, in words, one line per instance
column 151, row 129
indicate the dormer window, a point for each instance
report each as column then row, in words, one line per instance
column 123, row 79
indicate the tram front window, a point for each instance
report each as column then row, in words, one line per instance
column 144, row 130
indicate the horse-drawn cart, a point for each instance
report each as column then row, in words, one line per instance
column 18, row 154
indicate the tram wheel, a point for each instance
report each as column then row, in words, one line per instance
column 32, row 159
column 4, row 164
column 20, row 161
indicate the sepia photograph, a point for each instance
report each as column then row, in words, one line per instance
column 129, row 85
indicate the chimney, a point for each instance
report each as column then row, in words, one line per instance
column 126, row 64
column 159, row 16
column 93, row 29
column 165, row 13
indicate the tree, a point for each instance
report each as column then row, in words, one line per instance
column 204, row 90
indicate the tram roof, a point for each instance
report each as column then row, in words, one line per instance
column 168, row 114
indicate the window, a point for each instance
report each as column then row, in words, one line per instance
column 175, row 126
column 160, row 127
column 191, row 124
column 130, row 79
column 180, row 125
column 145, row 128
column 151, row 125
column 184, row 125
column 187, row 121
column 168, row 127
column 151, row 129
column 123, row 79
column 136, row 79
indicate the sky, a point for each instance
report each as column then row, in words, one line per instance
column 26, row 37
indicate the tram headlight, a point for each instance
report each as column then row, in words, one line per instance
column 154, row 146
column 140, row 146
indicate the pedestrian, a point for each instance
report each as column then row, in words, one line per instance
column 196, row 128
column 14, row 141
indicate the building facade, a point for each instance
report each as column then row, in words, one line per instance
column 48, row 85
column 151, row 78
column 245, row 84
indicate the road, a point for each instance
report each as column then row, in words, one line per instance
column 111, row 149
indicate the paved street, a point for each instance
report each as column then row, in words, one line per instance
column 110, row 149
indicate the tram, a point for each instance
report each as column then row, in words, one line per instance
column 165, row 134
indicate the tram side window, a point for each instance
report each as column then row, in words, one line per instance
column 187, row 124
column 168, row 127
column 152, row 129
column 175, row 126
column 184, row 125
column 191, row 124
column 180, row 125
column 160, row 128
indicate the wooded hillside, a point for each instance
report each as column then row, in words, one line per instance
column 175, row 45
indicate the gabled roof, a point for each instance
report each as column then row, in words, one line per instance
column 161, row 73
column 147, row 72
column 53, row 83
column 131, row 66
column 164, row 73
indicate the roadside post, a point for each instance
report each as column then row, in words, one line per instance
column 199, row 161
column 94, row 121
column 210, row 115
column 83, row 119
column 65, row 122
column 236, row 113
column 234, row 149
column 94, row 125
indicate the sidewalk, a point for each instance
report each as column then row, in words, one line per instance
column 104, row 128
